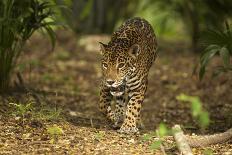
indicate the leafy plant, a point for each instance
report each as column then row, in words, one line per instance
column 217, row 42
column 22, row 109
column 42, row 113
column 196, row 107
column 18, row 21
column 54, row 132
column 161, row 131
column 99, row 135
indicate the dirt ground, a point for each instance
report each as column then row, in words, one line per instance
column 67, row 80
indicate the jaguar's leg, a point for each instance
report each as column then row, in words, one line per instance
column 139, row 123
column 136, row 97
column 105, row 102
column 119, row 110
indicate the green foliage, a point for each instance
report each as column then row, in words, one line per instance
column 39, row 113
column 208, row 152
column 196, row 107
column 99, row 135
column 217, row 43
column 18, row 21
column 161, row 131
column 155, row 145
column 22, row 109
column 48, row 113
column 54, row 132
column 147, row 137
column 189, row 16
column 93, row 16
column 164, row 19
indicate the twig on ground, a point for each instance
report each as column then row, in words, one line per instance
column 91, row 122
column 181, row 141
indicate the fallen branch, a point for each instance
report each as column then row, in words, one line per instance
column 181, row 141
column 202, row 141
column 184, row 142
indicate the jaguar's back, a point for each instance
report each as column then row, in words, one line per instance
column 136, row 31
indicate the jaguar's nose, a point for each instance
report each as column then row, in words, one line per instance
column 109, row 82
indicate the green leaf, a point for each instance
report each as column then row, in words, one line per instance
column 208, row 152
column 209, row 52
column 54, row 130
column 162, row 130
column 196, row 108
column 87, row 9
column 182, row 97
column 99, row 135
column 202, row 72
column 147, row 137
column 155, row 145
column 225, row 55
column 204, row 119
column 51, row 35
column 195, row 103
column 186, row 98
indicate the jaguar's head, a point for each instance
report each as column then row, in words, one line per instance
column 117, row 65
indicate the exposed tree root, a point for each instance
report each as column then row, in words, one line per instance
column 181, row 141
column 185, row 142
column 202, row 141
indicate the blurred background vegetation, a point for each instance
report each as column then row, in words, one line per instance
column 185, row 20
column 172, row 19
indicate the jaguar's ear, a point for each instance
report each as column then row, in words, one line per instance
column 102, row 47
column 134, row 50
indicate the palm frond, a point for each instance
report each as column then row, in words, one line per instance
column 18, row 21
column 216, row 42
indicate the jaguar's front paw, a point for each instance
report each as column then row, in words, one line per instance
column 117, row 123
column 128, row 129
column 115, row 119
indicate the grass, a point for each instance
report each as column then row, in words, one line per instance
column 29, row 109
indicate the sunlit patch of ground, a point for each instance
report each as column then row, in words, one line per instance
column 66, row 84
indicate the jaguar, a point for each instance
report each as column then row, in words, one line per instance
column 126, row 60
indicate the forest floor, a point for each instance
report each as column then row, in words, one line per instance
column 54, row 109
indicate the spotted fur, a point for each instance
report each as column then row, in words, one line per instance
column 126, row 61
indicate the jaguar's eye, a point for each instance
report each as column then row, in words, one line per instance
column 104, row 65
column 121, row 65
